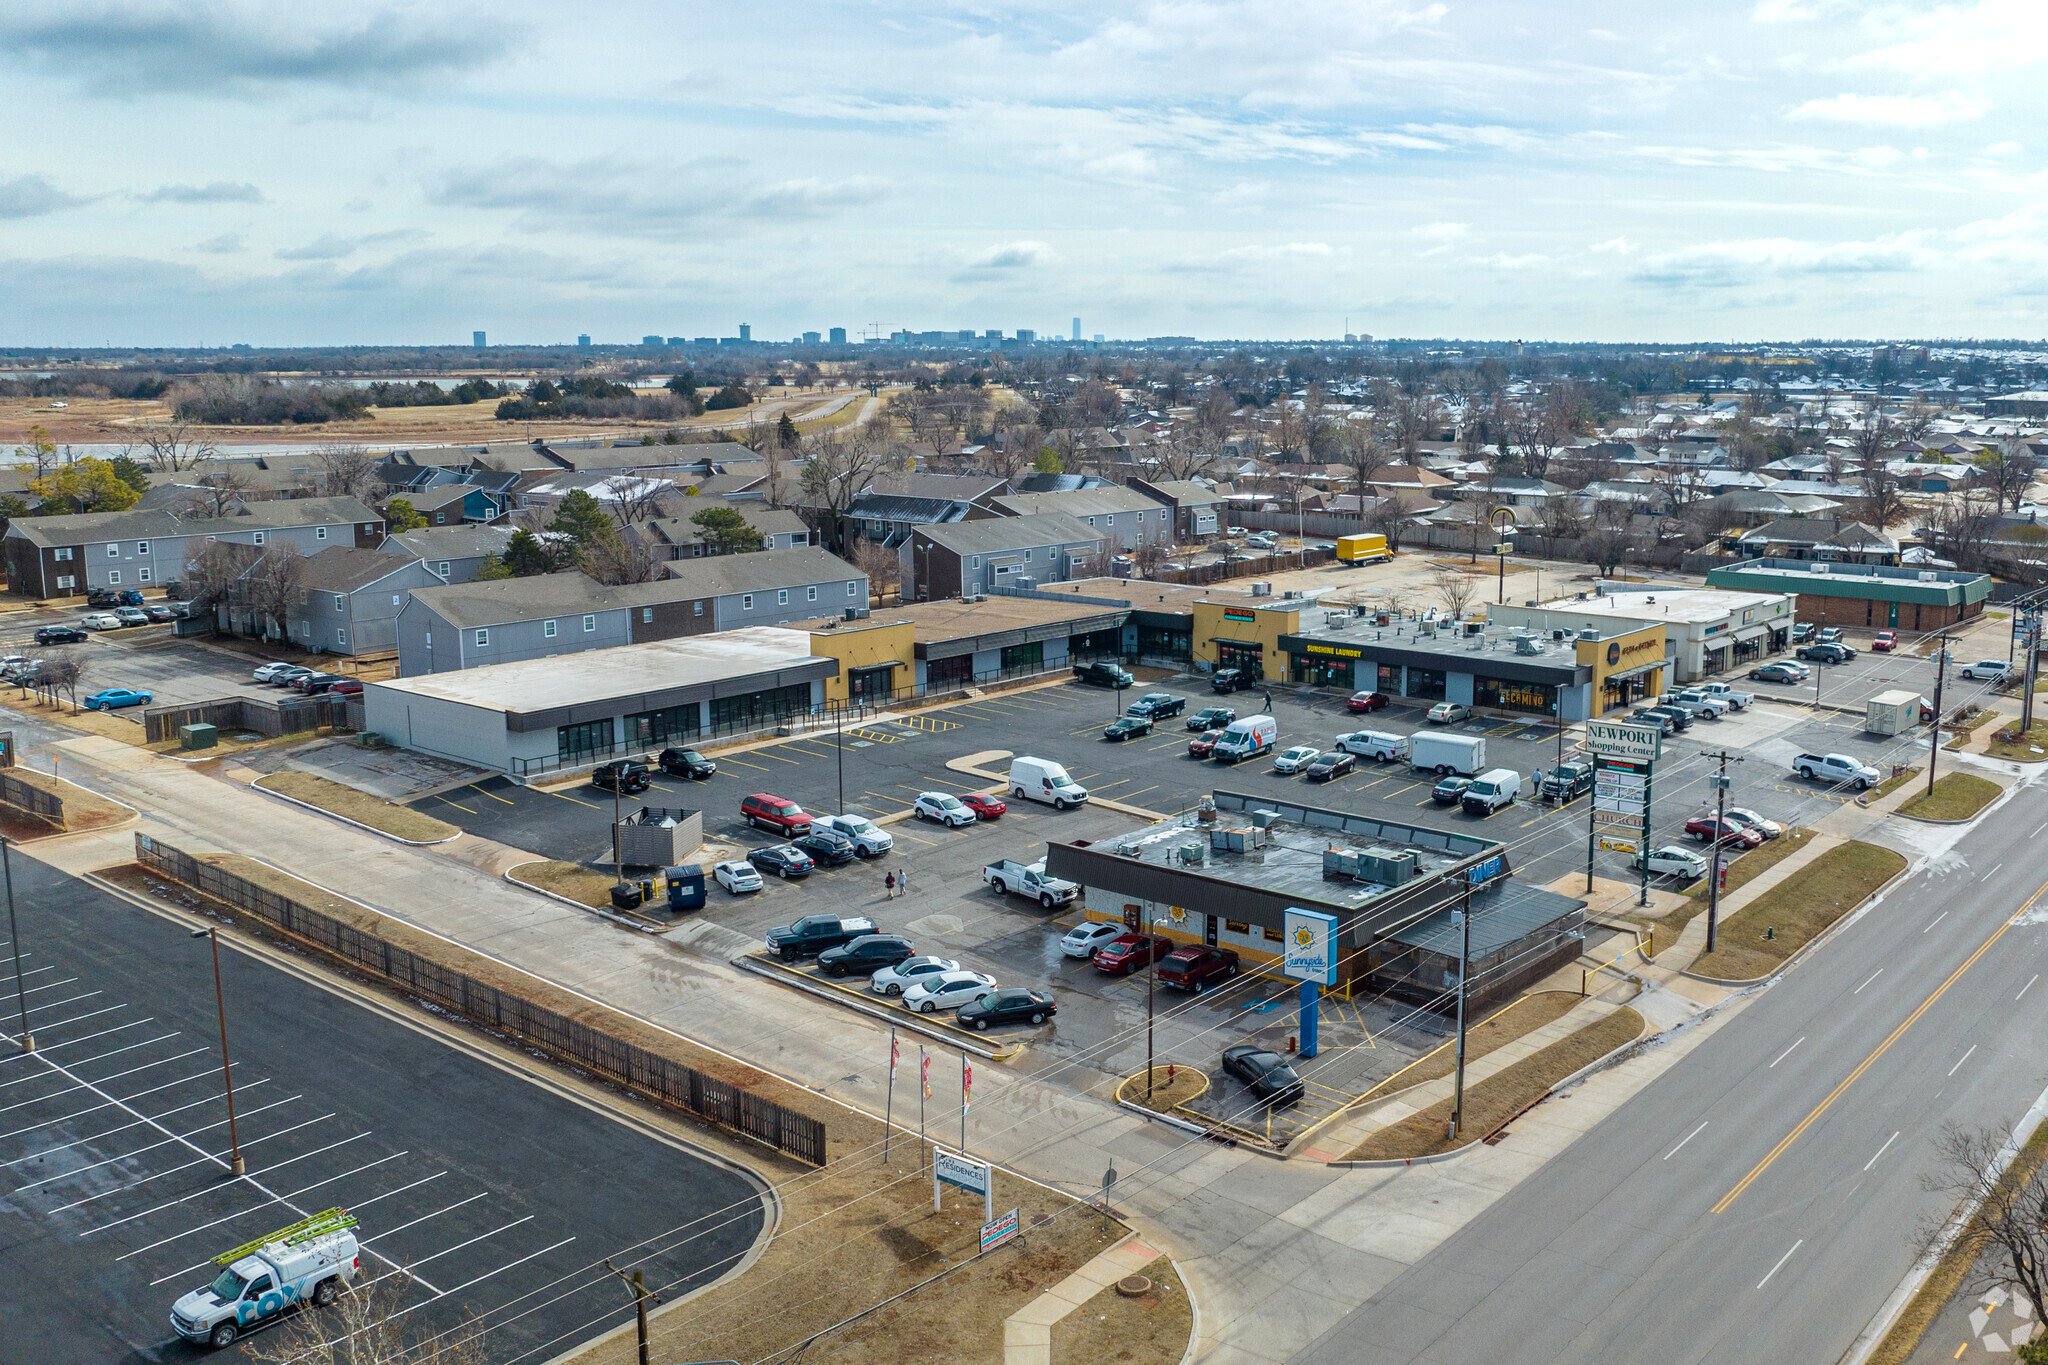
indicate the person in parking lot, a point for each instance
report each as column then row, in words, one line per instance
column 889, row 884
column 902, row 882
column 1269, row 701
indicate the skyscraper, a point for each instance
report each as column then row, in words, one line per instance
column 476, row 339
column 838, row 336
column 1077, row 329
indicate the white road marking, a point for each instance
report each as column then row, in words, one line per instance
column 1682, row 1141
column 2037, row 833
column 44, row 1052
column 425, row 1216
column 1960, row 1060
column 104, row 1079
column 109, row 1132
column 1787, row 1052
column 257, row 1208
column 195, row 1076
column 2029, row 986
column 76, row 1018
column 1936, row 920
column 1781, row 1263
column 1989, row 875
column 444, row 1293
column 69, row 1000
column 1867, row 980
column 449, row 1251
column 1881, row 1151
column 81, row 1170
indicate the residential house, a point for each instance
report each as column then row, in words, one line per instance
column 350, row 598
column 1820, row 538
column 771, row 587
column 1127, row 517
column 453, row 554
column 891, row 506
column 968, row 557
column 63, row 556
column 454, row 504
column 679, row 537
column 1197, row 508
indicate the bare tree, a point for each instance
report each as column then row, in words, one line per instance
column 1454, row 589
column 1151, row 556
column 1389, row 518
column 210, row 575
column 61, row 672
column 2007, row 470
column 619, row 558
column 1183, row 453
column 347, row 471
column 1365, row 453
column 172, row 445
column 219, row 488
column 840, row 467
column 275, row 586
column 632, row 498
column 1999, row 1218
column 367, row 1326
column 882, row 565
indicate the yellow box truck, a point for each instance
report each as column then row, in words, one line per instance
column 1363, row 549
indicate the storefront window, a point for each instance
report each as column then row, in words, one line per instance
column 1023, row 658
column 1426, row 684
column 592, row 738
column 1320, row 670
column 1155, row 642
column 660, row 727
column 866, row 683
column 760, row 708
column 1390, row 679
column 1538, row 699
column 1250, row 658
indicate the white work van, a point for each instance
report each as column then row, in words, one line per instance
column 1445, row 754
column 1491, row 791
column 1041, row 779
column 1247, row 738
column 310, row 1261
column 1378, row 745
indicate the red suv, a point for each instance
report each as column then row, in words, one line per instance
column 1128, row 952
column 776, row 813
column 1701, row 827
column 1196, row 968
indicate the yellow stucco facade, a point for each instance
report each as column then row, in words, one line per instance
column 861, row 645
column 1244, row 623
column 1625, row 655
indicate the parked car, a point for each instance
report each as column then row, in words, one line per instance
column 1365, row 702
column 1196, row 967
column 1204, row 744
column 265, row 672
column 1100, row 674
column 1831, row 635
column 1295, row 759
column 1211, row 718
column 1680, row 719
column 1157, row 706
column 985, row 807
column 1733, row 833
column 1802, row 631
column 115, row 698
column 1450, row 791
column 870, row 840
column 1826, row 653
column 1742, row 815
column 813, row 934
column 1885, row 641
column 786, row 861
column 286, row 674
column 686, row 763
column 1838, row 768
column 1261, row 540
column 1127, row 727
column 1567, row 782
column 778, row 814
column 1665, row 721
column 1713, row 701
column 164, row 611
column 1127, row 952
column 312, row 684
column 1449, row 713
column 946, row 991
column 132, row 616
column 1228, row 680
column 942, row 807
column 827, row 847
column 626, row 776
column 1083, row 939
column 1382, row 746
column 867, row 954
column 100, row 620
column 1007, row 1005
column 1692, row 706
column 1987, row 670
column 1673, row 860
column 1776, row 673
column 60, row 635
column 1265, row 1073
column 1333, row 764
column 901, row 976
column 737, row 877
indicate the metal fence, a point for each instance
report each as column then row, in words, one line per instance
column 289, row 716
column 643, row 1072
column 37, row 802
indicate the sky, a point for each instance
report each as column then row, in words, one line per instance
column 208, row 173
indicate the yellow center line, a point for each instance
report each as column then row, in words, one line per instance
column 493, row 795
column 1877, row 1052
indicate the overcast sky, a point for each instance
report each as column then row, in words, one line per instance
column 207, row 173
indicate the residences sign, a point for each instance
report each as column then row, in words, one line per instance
column 1625, row 740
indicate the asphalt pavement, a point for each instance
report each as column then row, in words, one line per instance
column 1759, row 1200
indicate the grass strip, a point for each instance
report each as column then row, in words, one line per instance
column 1956, row 796
column 83, row 810
column 1498, row 1098
column 336, row 798
column 1514, row 1020
column 1172, row 1086
column 1741, row 870
column 1151, row 1329
column 2021, row 749
column 1892, row 784
column 574, row 881
column 1798, row 910
column 1968, row 727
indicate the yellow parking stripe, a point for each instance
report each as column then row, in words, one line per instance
column 743, row 763
column 481, row 792
column 446, row 802
column 578, row 800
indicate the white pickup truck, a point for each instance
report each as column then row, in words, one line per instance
column 310, row 1261
column 1010, row 878
column 1736, row 699
column 1837, row 768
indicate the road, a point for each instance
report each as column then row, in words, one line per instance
column 1759, row 1199
column 497, row 1194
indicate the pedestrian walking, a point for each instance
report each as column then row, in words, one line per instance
column 1269, row 700
column 903, row 881
column 889, row 884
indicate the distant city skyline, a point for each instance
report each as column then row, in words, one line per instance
column 1590, row 171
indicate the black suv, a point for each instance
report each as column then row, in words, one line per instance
column 1229, row 680
column 686, row 763
column 1103, row 675
column 1825, row 653
column 813, row 934
column 867, row 954
column 59, row 635
column 1567, row 782
column 1157, row 706
column 1677, row 717
column 828, row 847
column 626, row 776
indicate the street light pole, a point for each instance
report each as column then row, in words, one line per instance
column 1464, row 971
column 237, row 1166
column 28, row 1040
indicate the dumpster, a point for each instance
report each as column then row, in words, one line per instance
column 685, row 886
column 625, row 895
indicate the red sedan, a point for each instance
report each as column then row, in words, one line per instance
column 1128, row 952
column 1701, row 827
column 1885, row 641
column 1204, row 744
column 1366, row 702
column 984, row 807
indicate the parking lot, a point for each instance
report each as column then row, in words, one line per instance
column 496, row 1195
column 150, row 659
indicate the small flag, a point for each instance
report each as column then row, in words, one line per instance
column 966, row 1083
column 925, row 1071
column 895, row 1055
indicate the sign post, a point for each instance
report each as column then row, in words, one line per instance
column 1624, row 755
column 963, row 1172
column 1310, row 941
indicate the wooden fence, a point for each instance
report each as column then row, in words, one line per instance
column 37, row 802
column 287, row 716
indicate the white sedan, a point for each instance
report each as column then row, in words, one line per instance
column 944, row 807
column 737, row 877
column 1083, row 939
column 1295, row 759
column 946, row 991
column 1675, row 861
column 907, row 973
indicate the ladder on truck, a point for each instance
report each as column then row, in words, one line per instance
column 305, row 1230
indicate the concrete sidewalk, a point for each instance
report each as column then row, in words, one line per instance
column 1027, row 1333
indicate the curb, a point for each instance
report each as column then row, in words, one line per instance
column 257, row 785
column 600, row 912
column 1216, row 1135
column 133, row 813
column 1789, row 963
column 903, row 1019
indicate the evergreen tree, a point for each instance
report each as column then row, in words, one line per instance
column 401, row 515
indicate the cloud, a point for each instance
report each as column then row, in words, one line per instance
column 1894, row 111
column 124, row 47
column 224, row 245
column 612, row 197
column 1956, row 39
column 1238, row 257
column 1733, row 263
column 325, row 248
column 32, row 196
column 213, row 192
column 1614, row 246
column 1013, row 256
column 1441, row 236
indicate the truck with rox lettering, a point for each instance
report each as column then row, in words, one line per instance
column 311, row 1261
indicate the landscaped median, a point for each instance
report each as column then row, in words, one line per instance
column 1738, row 870
column 357, row 807
column 1761, row 937
column 570, row 881
column 1956, row 797
column 2010, row 744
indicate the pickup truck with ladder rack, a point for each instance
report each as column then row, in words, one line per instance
column 311, row 1261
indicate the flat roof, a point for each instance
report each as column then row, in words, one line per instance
column 603, row 675
column 1684, row 604
column 1491, row 653
column 1177, row 599
column 1876, row 582
column 951, row 619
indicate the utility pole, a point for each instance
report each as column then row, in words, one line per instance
column 237, row 1166
column 1934, row 730
column 641, row 1296
column 889, row 1103
column 1464, row 971
column 618, row 854
column 839, row 748
column 1720, row 781
column 28, row 1040
column 2032, row 671
column 1151, row 975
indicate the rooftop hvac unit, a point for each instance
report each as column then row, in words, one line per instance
column 1557, row 634
column 1127, row 847
column 1926, row 577
column 1028, row 584
column 1262, row 589
column 1528, row 644
column 1340, row 862
column 1387, row 866
column 1589, row 632
column 1237, row 840
column 1191, row 853
column 1820, row 568
column 1262, row 819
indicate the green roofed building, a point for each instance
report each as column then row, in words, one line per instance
column 1872, row 595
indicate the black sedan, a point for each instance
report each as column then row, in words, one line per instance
column 784, row 860
column 686, row 763
column 827, row 846
column 867, row 955
column 1266, row 1074
column 1127, row 727
column 1006, row 1006
column 59, row 635
column 1450, row 791
column 626, row 776
column 1331, row 763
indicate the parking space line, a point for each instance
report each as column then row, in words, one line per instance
column 493, row 795
column 444, row 1293
column 49, row 985
column 728, row 758
column 770, row 753
column 425, row 1216
column 69, row 1000
column 33, row 971
column 137, row 1184
column 577, row 799
column 104, row 1079
column 169, row 1137
column 906, row 834
column 76, row 1018
column 457, row 804
column 1140, row 792
column 449, row 1251
column 200, row 1194
column 279, row 1199
column 195, row 1076
column 66, row 1118
column 40, row 1049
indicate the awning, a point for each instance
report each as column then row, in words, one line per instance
column 1239, row 644
column 1621, row 674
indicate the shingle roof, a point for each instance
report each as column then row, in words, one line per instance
column 84, row 528
column 344, row 568
column 449, row 542
column 517, row 599
column 1083, row 502
column 723, row 575
column 936, row 487
column 280, row 513
column 769, row 521
column 993, row 535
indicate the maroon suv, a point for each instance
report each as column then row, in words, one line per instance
column 1196, row 968
column 777, row 813
column 1128, row 952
